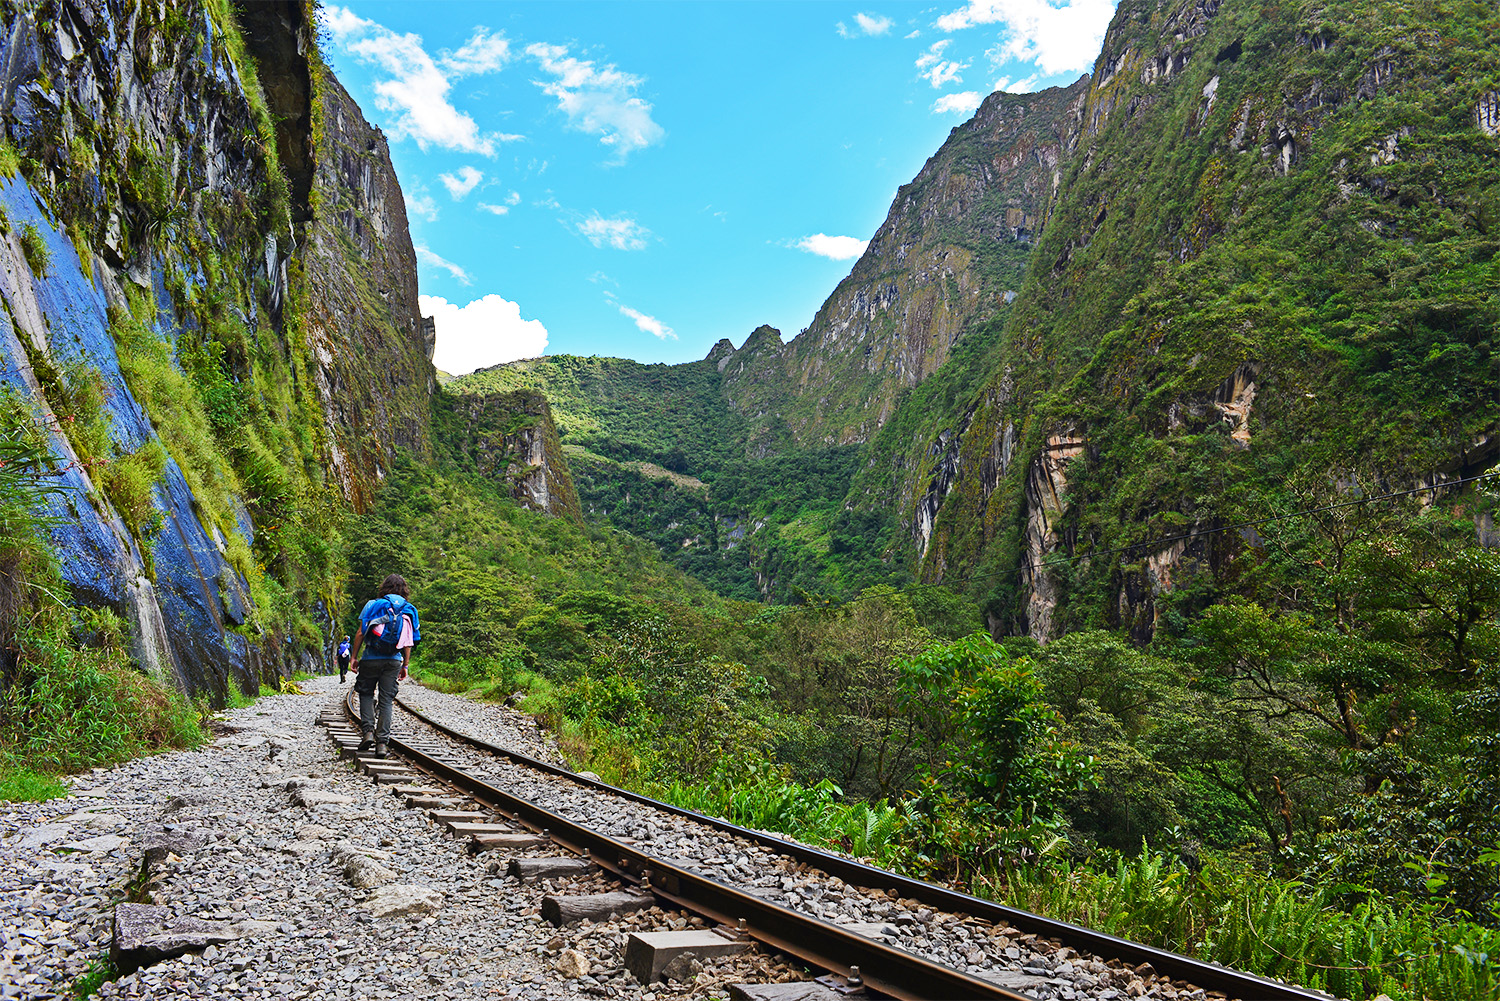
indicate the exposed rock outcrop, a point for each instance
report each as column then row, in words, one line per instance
column 210, row 307
column 511, row 437
column 101, row 97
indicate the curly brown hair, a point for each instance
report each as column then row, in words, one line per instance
column 394, row 584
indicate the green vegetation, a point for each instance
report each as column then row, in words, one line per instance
column 34, row 246
column 71, row 697
column 100, row 972
column 1275, row 927
column 657, row 451
column 10, row 159
column 671, row 415
column 1137, row 791
column 21, row 784
column 233, row 438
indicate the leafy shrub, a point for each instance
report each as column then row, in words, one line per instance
column 1231, row 915
column 129, row 483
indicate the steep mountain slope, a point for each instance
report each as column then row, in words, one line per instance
column 511, row 438
column 1271, row 262
column 951, row 251
column 372, row 346
column 1258, row 255
column 161, row 335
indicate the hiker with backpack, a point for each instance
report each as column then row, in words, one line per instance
column 388, row 629
column 343, row 655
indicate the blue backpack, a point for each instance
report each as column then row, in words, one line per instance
column 386, row 615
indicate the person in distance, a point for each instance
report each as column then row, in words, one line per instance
column 343, row 655
column 388, row 630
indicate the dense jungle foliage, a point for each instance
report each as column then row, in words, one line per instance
column 657, row 451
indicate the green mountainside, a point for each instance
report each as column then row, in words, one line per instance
column 670, row 415
column 951, row 253
column 658, row 451
column 1271, row 264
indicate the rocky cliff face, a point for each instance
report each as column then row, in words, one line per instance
column 373, row 348
column 159, row 328
column 511, row 438
column 951, row 251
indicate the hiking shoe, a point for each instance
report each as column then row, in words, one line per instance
column 368, row 742
column 381, row 750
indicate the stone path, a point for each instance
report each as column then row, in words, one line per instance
column 260, row 836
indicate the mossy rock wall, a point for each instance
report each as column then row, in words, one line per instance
column 156, row 325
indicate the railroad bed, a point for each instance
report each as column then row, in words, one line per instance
column 866, row 930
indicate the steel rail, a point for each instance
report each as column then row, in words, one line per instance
column 888, row 970
column 1209, row 976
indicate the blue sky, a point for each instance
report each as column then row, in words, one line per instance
column 643, row 179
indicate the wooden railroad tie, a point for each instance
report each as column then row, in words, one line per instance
column 592, row 906
column 490, row 842
column 540, row 868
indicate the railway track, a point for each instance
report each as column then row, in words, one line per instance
column 876, row 932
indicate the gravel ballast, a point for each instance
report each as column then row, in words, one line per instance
column 236, row 850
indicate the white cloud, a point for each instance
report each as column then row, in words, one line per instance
column 836, row 248
column 426, row 256
column 1057, row 37
column 464, row 182
column 488, row 331
column 482, row 53
column 494, row 209
column 622, row 233
column 866, row 24
column 415, row 88
column 421, row 205
column 598, row 100
column 514, row 198
column 964, row 102
column 648, row 324
column 936, row 69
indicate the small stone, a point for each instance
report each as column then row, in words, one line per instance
column 400, row 899
column 572, row 964
column 101, row 843
column 365, row 873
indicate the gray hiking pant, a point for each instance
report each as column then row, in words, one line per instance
column 372, row 673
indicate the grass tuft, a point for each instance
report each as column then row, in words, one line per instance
column 34, row 246
column 22, row 784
